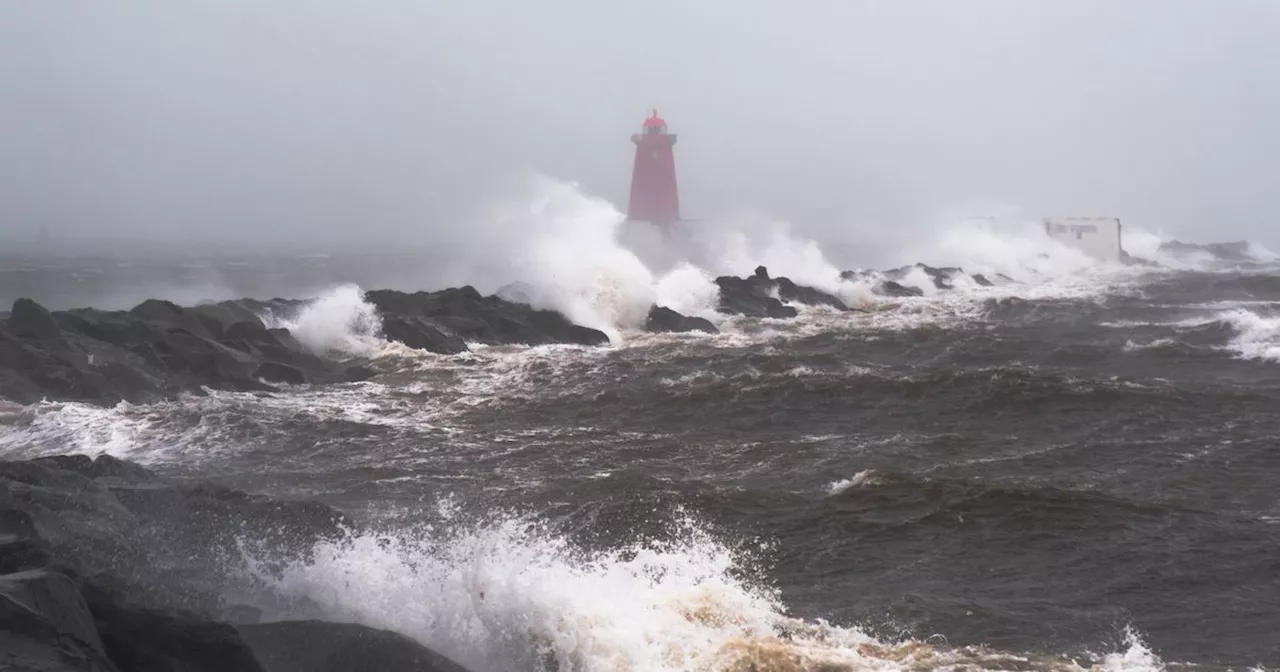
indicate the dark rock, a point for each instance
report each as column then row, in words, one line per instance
column 446, row 320
column 358, row 373
column 91, row 613
column 982, row 280
column 148, row 640
column 790, row 291
column 663, row 319
column 103, row 466
column 941, row 277
column 241, row 614
column 421, row 333
column 275, row 372
column 45, row 624
column 751, row 297
column 891, row 288
column 29, row 319
column 762, row 296
column 19, row 553
column 317, row 646
column 159, row 349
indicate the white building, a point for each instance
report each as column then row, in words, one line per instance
column 1099, row 237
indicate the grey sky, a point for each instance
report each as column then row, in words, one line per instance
column 250, row 120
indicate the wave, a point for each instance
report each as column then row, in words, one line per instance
column 338, row 321
column 513, row 593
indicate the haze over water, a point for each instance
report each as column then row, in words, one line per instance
column 1072, row 468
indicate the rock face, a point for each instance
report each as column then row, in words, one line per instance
column 159, row 349
column 106, row 568
column 761, row 296
column 662, row 319
column 151, row 352
column 316, row 646
column 890, row 282
column 447, row 320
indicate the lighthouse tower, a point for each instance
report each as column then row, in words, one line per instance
column 654, row 196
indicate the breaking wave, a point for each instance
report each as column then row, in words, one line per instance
column 514, row 594
column 339, row 321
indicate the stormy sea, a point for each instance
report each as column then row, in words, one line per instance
column 1006, row 456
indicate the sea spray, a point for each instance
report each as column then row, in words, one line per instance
column 513, row 593
column 339, row 321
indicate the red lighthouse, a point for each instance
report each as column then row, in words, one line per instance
column 654, row 196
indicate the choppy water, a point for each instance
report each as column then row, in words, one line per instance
column 1080, row 472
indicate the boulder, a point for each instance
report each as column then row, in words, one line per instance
column 46, row 625
column 318, row 646
column 891, row 288
column 446, row 320
column 105, row 567
column 663, row 319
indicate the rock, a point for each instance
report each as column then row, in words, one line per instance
column 422, row 334
column 275, row 372
column 358, row 373
column 114, row 544
column 891, row 288
column 761, row 296
column 45, row 624
column 19, row 554
column 149, row 640
column 103, row 466
column 790, row 291
column 982, row 280
column 31, row 320
column 751, row 297
column 663, row 319
column 317, row 646
column 446, row 320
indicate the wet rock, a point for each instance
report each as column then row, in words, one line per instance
column 894, row 289
column 793, row 293
column 275, row 372
column 146, row 640
column 317, row 646
column 159, row 349
column 31, row 320
column 151, row 352
column 662, row 319
column 45, row 624
column 444, row 321
column 762, row 296
column 422, row 334
column 106, row 567
column 982, row 280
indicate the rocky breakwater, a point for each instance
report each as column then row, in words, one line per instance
column 158, row 349
column 895, row 282
column 106, row 567
column 762, row 296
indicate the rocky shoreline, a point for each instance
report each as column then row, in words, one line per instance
column 106, row 567
column 158, row 349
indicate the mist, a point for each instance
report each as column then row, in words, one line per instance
column 256, row 125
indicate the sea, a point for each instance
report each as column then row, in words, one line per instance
column 1074, row 469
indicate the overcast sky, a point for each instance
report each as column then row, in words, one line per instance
column 255, row 120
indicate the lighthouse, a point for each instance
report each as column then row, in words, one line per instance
column 654, row 196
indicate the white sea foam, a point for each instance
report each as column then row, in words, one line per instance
column 338, row 321
column 1257, row 336
column 513, row 594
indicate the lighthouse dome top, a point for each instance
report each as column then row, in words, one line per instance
column 655, row 124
